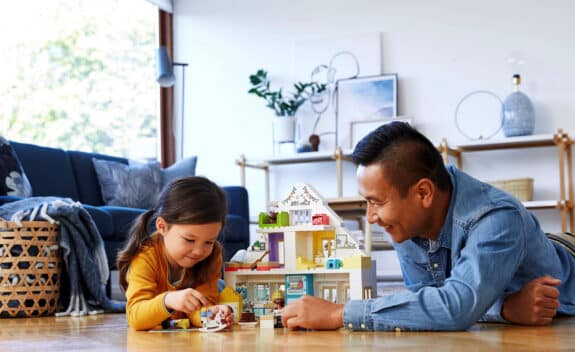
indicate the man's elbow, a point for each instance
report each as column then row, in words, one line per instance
column 459, row 323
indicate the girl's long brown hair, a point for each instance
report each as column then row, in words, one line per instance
column 191, row 200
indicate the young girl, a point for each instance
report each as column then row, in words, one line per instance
column 174, row 272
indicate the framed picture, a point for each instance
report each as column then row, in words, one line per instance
column 358, row 129
column 363, row 99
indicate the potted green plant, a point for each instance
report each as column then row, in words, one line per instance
column 285, row 106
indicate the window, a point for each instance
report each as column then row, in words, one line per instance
column 329, row 293
column 262, row 292
column 80, row 75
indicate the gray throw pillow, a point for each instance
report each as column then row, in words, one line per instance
column 183, row 168
column 13, row 180
column 138, row 185
column 133, row 186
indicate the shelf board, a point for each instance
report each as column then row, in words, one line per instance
column 295, row 228
column 541, row 140
column 348, row 206
column 358, row 204
column 308, row 157
column 543, row 204
column 316, row 271
column 381, row 245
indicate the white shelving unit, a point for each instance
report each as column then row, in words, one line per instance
column 560, row 140
column 310, row 157
column 354, row 207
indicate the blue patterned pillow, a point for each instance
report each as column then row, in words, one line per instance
column 138, row 185
column 13, row 180
column 183, row 168
column 133, row 186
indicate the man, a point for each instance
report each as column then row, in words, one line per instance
column 468, row 251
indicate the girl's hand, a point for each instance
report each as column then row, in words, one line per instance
column 226, row 311
column 186, row 300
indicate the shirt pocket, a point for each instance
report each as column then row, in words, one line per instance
column 417, row 275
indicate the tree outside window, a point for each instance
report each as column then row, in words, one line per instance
column 80, row 75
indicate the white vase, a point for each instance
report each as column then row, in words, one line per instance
column 284, row 129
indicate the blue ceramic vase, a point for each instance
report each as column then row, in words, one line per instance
column 518, row 114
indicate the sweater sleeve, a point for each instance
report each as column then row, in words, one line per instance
column 145, row 308
column 210, row 291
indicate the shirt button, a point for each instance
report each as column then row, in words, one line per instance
column 435, row 265
column 350, row 326
column 362, row 326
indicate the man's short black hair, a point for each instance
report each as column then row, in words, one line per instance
column 406, row 154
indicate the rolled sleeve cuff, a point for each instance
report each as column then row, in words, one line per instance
column 357, row 315
column 494, row 313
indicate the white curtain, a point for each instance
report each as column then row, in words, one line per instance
column 166, row 5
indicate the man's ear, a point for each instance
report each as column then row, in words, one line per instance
column 424, row 191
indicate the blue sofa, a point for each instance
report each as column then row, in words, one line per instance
column 56, row 172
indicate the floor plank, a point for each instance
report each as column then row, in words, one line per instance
column 109, row 332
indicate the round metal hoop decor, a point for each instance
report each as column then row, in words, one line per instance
column 459, row 118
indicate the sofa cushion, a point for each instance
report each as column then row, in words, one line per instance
column 123, row 219
column 238, row 202
column 114, row 224
column 183, row 168
column 103, row 220
column 48, row 169
column 112, row 249
column 133, row 186
column 234, row 236
column 88, row 185
column 13, row 180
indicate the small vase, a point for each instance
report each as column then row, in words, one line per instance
column 518, row 114
column 284, row 129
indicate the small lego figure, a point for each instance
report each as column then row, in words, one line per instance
column 279, row 301
column 176, row 324
column 211, row 323
column 272, row 217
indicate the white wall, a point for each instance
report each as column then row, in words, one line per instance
column 441, row 51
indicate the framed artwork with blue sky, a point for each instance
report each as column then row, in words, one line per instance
column 364, row 99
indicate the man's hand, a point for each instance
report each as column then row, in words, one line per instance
column 312, row 313
column 535, row 304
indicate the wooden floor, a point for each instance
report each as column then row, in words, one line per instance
column 110, row 333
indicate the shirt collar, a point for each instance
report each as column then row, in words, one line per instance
column 444, row 239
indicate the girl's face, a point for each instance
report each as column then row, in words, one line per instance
column 187, row 245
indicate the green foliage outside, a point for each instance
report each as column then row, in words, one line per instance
column 80, row 75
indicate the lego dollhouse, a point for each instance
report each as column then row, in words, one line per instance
column 303, row 249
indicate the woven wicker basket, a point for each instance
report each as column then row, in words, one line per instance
column 29, row 269
column 520, row 188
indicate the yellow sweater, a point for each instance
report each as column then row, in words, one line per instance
column 148, row 283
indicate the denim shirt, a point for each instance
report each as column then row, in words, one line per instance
column 489, row 246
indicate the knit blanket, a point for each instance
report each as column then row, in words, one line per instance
column 82, row 250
